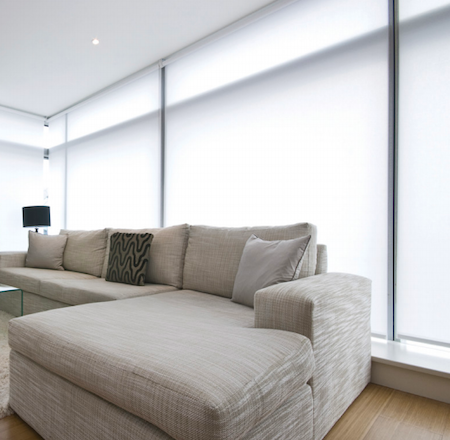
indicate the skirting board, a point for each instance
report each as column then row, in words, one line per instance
column 420, row 370
column 411, row 381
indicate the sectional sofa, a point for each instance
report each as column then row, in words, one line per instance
column 176, row 358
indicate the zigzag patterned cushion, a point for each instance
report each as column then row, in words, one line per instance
column 128, row 258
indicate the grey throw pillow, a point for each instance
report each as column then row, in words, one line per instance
column 128, row 258
column 264, row 263
column 45, row 251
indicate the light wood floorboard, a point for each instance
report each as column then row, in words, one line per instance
column 379, row 413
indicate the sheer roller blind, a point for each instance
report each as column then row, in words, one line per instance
column 57, row 188
column 113, row 177
column 423, row 300
column 108, row 174
column 21, row 129
column 56, row 134
column 21, row 174
column 128, row 102
column 304, row 140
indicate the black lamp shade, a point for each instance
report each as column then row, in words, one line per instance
column 36, row 216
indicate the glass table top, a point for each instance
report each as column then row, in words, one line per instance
column 6, row 288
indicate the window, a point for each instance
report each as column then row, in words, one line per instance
column 285, row 121
column 423, row 300
column 21, row 176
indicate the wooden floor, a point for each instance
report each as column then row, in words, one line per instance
column 379, row 413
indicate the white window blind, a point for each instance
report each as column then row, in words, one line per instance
column 306, row 140
column 423, row 300
column 21, row 183
column 57, row 187
column 129, row 101
column 299, row 30
column 56, row 134
column 113, row 178
column 21, row 129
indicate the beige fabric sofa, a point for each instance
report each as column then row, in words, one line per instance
column 182, row 361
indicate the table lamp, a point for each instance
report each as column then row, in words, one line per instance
column 35, row 216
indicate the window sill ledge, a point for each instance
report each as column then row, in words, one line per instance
column 424, row 360
column 416, row 370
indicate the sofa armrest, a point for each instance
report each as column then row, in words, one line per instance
column 12, row 259
column 333, row 311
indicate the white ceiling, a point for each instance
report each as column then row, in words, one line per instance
column 47, row 60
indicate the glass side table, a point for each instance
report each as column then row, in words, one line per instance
column 4, row 289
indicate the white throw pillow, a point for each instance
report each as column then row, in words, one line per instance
column 264, row 263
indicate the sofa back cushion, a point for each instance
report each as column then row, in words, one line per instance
column 85, row 251
column 45, row 251
column 213, row 254
column 166, row 257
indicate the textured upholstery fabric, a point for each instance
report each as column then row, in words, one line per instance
column 85, row 251
column 333, row 311
column 291, row 421
column 213, row 254
column 80, row 415
column 322, row 259
column 128, row 258
column 186, row 362
column 37, row 405
column 77, row 292
column 33, row 303
column 45, row 251
column 29, row 279
column 264, row 263
column 166, row 258
column 12, row 259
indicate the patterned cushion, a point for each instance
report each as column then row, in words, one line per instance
column 166, row 254
column 128, row 258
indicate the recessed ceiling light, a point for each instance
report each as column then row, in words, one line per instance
column 95, row 41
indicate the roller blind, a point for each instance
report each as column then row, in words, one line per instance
column 286, row 121
column 57, row 187
column 108, row 173
column 128, row 102
column 21, row 174
column 423, row 300
column 113, row 177
column 21, row 129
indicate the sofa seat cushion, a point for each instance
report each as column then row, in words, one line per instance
column 29, row 279
column 191, row 364
column 76, row 292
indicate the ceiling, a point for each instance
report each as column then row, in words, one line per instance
column 48, row 61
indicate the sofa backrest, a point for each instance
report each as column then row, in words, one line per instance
column 85, row 251
column 166, row 258
column 213, row 254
